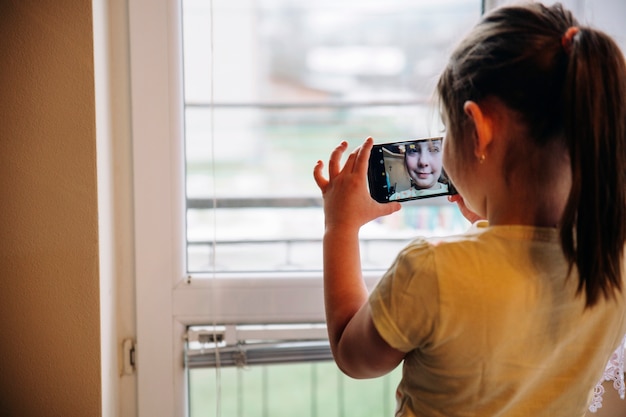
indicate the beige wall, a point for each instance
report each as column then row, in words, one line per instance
column 49, row 286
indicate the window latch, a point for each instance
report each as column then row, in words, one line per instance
column 129, row 351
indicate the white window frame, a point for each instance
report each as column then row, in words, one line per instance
column 158, row 267
column 167, row 299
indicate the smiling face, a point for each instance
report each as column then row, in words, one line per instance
column 423, row 163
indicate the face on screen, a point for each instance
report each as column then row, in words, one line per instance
column 423, row 163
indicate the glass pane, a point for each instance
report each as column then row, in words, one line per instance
column 272, row 86
column 270, row 239
column 299, row 50
column 261, row 152
column 309, row 389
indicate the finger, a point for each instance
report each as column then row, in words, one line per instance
column 318, row 175
column 353, row 164
column 362, row 161
column 455, row 198
column 334, row 164
column 391, row 207
column 349, row 165
column 465, row 211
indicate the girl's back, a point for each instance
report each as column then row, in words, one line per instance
column 499, row 329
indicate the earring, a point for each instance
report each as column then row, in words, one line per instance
column 481, row 158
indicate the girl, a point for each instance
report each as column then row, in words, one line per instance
column 519, row 316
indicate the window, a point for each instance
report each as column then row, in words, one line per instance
column 270, row 86
column 233, row 102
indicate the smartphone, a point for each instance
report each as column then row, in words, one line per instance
column 408, row 170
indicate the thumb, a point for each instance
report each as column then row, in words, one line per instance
column 391, row 207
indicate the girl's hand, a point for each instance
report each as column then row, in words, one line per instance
column 467, row 213
column 347, row 202
column 357, row 347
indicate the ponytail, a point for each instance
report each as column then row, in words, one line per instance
column 593, row 229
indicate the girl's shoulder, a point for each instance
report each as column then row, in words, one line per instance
column 483, row 240
column 481, row 231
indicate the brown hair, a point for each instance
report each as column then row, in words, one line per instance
column 570, row 88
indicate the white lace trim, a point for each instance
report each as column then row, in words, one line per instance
column 614, row 371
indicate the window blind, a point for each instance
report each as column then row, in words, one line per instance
column 248, row 345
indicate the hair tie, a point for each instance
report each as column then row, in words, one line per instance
column 568, row 37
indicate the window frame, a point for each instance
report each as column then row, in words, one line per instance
column 158, row 232
column 168, row 299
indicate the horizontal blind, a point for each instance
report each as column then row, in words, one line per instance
column 247, row 345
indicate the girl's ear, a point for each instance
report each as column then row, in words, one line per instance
column 483, row 128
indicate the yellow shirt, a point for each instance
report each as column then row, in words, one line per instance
column 493, row 326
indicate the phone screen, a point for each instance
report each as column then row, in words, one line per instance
column 408, row 170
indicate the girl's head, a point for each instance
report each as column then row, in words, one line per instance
column 515, row 54
column 564, row 84
column 423, row 163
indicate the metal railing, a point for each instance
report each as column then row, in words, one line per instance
column 291, row 252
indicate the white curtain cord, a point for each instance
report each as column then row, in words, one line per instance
column 214, row 294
